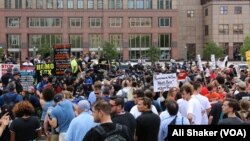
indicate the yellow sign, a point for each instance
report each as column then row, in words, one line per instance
column 248, row 58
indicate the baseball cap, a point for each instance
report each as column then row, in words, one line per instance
column 84, row 105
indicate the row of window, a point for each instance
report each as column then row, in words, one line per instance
column 223, row 29
column 112, row 4
column 224, row 10
column 93, row 22
column 95, row 40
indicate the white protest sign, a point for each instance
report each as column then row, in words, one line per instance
column 4, row 67
column 199, row 62
column 213, row 65
column 164, row 82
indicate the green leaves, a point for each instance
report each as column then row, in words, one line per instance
column 212, row 48
column 153, row 53
column 245, row 47
column 110, row 51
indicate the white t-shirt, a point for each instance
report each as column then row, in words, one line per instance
column 195, row 108
column 135, row 112
column 182, row 103
column 206, row 104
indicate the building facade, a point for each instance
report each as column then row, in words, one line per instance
column 132, row 25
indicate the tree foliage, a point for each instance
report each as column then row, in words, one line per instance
column 109, row 50
column 212, row 48
column 153, row 53
column 245, row 47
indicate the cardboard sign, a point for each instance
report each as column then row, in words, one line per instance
column 164, row 82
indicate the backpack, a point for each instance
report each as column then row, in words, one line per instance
column 113, row 135
column 8, row 105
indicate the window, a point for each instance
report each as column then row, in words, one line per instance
column 237, row 10
column 13, row 22
column 130, row 4
column 164, row 4
column 139, row 4
column 164, row 22
column 13, row 41
column 59, row 3
column 7, row 3
column 223, row 29
column 39, row 40
column 90, row 4
column 140, row 22
column 18, row 4
column 99, row 4
column 75, row 22
column 116, row 39
column 148, row 4
column 190, row 13
column 238, row 29
column 39, row 4
column 164, row 40
column 115, row 4
column 76, row 40
column 49, row 4
column 223, row 10
column 80, row 4
column 206, row 30
column 70, row 4
column 95, row 22
column 140, row 40
column 95, row 40
column 115, row 22
column 28, row 4
column 206, row 12
column 44, row 22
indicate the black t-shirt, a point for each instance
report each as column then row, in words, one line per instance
column 216, row 113
column 25, row 129
column 147, row 126
column 93, row 135
column 125, row 119
column 240, row 95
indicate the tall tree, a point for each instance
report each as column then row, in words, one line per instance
column 245, row 47
column 110, row 52
column 212, row 48
column 153, row 53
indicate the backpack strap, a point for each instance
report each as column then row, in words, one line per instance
column 173, row 121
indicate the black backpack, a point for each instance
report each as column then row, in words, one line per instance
column 8, row 105
column 114, row 135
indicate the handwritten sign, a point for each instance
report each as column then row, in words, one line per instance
column 164, row 82
column 61, row 58
column 41, row 68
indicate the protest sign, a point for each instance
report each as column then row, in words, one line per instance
column 164, row 82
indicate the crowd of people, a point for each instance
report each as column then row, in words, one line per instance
column 95, row 102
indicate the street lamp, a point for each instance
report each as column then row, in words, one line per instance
column 34, row 51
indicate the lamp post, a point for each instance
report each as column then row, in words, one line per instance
column 34, row 51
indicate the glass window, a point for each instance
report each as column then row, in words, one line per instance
column 95, row 22
column 160, row 4
column 139, row 4
column 13, row 41
column 140, row 22
column 80, row 4
column 13, row 22
column 164, row 4
column 49, row 3
column 39, row 4
column 111, row 4
column 190, row 13
column 116, row 39
column 119, row 4
column 7, row 3
column 168, row 4
column 18, row 4
column 44, row 22
column 90, row 4
column 75, row 22
column 148, row 4
column 164, row 40
column 206, row 12
column 95, row 40
column 28, row 4
column 238, row 29
column 99, row 4
column 140, row 40
column 223, row 10
column 206, row 30
column 115, row 22
column 130, row 4
column 237, row 10
column 59, row 3
column 223, row 29
column 40, row 40
column 70, row 4
column 76, row 40
column 163, row 22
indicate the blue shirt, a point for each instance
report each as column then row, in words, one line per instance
column 163, row 133
column 79, row 126
column 92, row 97
column 64, row 113
column 10, row 98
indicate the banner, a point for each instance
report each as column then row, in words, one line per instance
column 248, row 58
column 41, row 68
column 27, row 76
column 61, row 58
column 164, row 82
column 4, row 67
